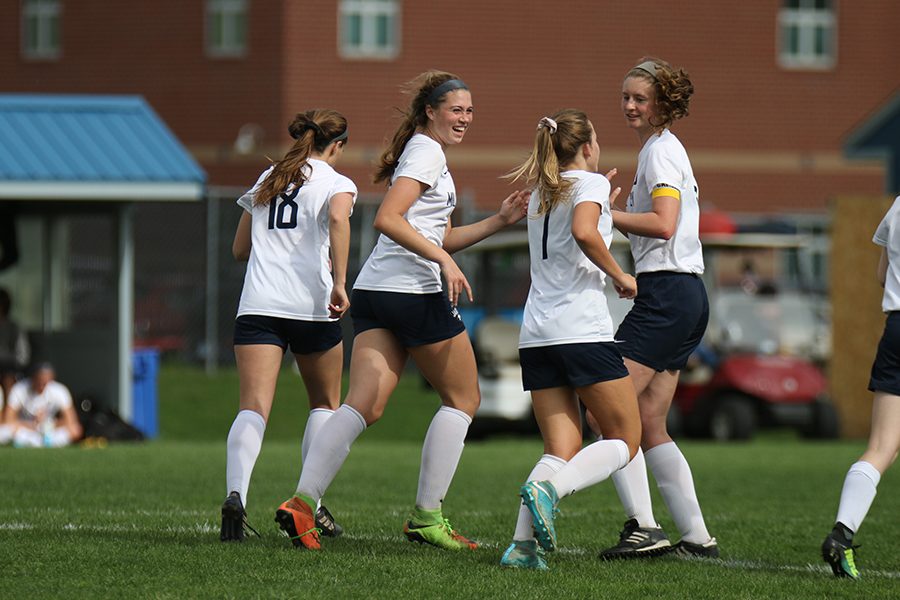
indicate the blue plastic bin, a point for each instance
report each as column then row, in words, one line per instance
column 145, row 410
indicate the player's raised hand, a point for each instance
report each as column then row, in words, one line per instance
column 612, row 197
column 515, row 206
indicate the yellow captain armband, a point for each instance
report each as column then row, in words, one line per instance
column 663, row 189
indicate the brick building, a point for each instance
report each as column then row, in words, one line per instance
column 779, row 83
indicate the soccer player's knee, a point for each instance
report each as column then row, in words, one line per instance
column 466, row 403
column 633, row 446
column 562, row 449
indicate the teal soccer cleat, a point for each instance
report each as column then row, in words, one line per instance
column 524, row 554
column 540, row 498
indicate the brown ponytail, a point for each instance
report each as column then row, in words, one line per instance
column 314, row 130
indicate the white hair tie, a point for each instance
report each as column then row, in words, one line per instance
column 548, row 123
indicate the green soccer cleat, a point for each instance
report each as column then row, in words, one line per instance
column 430, row 527
column 541, row 499
column 840, row 553
column 524, row 554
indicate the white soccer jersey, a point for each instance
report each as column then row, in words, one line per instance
column 31, row 406
column 663, row 163
column 288, row 274
column 888, row 235
column 566, row 303
column 393, row 268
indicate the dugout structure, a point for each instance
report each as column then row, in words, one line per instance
column 72, row 169
column 857, row 320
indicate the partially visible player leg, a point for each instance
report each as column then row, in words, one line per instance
column 524, row 552
column 641, row 536
column 258, row 366
column 321, row 374
column 557, row 416
column 375, row 367
column 614, row 405
column 671, row 470
column 860, row 485
column 449, row 366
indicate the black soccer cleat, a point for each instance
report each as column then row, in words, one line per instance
column 638, row 542
column 685, row 549
column 326, row 524
column 234, row 520
column 840, row 553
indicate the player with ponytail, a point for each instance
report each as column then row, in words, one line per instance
column 401, row 310
column 566, row 344
column 295, row 234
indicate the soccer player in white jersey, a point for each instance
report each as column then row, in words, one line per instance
column 670, row 312
column 566, row 345
column 295, row 233
column 400, row 311
column 39, row 412
column 884, row 439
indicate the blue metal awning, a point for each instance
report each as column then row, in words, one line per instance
column 73, row 147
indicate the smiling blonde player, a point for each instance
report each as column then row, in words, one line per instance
column 566, row 345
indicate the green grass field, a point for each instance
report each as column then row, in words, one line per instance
column 141, row 520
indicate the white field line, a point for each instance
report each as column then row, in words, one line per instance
column 209, row 528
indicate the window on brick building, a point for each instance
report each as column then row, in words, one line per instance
column 808, row 34
column 226, row 27
column 40, row 28
column 369, row 28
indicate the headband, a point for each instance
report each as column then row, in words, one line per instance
column 447, row 86
column 317, row 131
column 648, row 66
column 548, row 123
column 341, row 137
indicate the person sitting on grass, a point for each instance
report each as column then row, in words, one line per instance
column 39, row 412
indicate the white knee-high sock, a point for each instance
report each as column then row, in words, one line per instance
column 59, row 438
column 27, row 438
column 858, row 493
column 244, row 443
column 317, row 418
column 440, row 455
column 328, row 451
column 545, row 468
column 676, row 484
column 6, row 434
column 633, row 488
column 591, row 465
